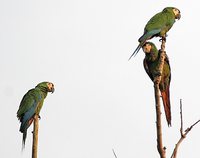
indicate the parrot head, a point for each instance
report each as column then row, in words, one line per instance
column 150, row 50
column 149, row 47
column 47, row 86
column 175, row 11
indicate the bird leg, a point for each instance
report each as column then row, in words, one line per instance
column 163, row 38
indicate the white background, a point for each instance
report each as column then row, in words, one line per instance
column 101, row 100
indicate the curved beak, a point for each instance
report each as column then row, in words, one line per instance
column 52, row 89
column 178, row 16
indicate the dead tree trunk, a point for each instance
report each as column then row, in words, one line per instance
column 35, row 136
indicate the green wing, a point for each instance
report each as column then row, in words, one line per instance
column 146, row 67
column 28, row 100
column 160, row 21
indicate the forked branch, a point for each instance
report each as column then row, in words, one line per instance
column 183, row 134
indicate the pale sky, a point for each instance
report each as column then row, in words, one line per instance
column 101, row 100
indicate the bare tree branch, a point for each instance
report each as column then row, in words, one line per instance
column 183, row 135
column 160, row 147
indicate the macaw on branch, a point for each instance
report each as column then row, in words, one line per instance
column 31, row 105
column 151, row 66
column 158, row 26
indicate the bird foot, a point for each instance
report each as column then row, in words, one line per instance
column 157, row 78
column 163, row 39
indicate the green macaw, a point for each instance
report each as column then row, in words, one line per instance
column 31, row 105
column 151, row 66
column 158, row 25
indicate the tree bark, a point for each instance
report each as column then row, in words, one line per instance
column 35, row 136
column 160, row 147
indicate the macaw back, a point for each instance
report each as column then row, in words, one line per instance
column 166, row 76
column 158, row 25
column 27, row 109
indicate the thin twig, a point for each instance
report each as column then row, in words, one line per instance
column 190, row 128
column 181, row 115
column 183, row 135
column 114, row 153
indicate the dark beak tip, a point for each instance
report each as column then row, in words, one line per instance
column 52, row 91
column 179, row 17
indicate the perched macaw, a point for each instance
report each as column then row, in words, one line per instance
column 158, row 25
column 151, row 66
column 31, row 105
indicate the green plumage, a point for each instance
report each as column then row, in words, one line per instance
column 31, row 105
column 162, row 21
column 32, row 96
column 158, row 25
column 151, row 65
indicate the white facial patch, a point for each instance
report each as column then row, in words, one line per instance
column 50, row 86
column 176, row 12
column 147, row 48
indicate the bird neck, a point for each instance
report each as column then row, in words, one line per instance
column 43, row 90
column 152, row 56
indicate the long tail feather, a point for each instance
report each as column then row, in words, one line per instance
column 167, row 107
column 136, row 51
column 23, row 128
column 24, row 139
